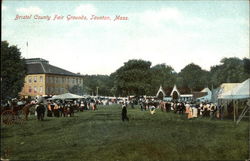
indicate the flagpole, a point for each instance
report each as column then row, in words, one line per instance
column 27, row 45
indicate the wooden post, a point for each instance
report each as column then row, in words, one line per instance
column 234, row 110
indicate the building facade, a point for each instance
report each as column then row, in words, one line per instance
column 180, row 94
column 45, row 79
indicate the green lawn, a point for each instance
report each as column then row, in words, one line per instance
column 101, row 135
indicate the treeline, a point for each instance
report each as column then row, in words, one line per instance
column 135, row 77
column 138, row 77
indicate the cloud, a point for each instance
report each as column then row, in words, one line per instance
column 166, row 35
column 29, row 10
column 168, row 14
column 86, row 9
column 4, row 8
column 157, row 17
column 152, row 40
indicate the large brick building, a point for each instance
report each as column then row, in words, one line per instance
column 45, row 79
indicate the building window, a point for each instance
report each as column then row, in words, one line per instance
column 56, row 80
column 30, row 89
column 35, row 79
column 41, row 78
column 35, row 89
column 73, row 80
column 63, row 80
column 30, row 79
column 41, row 89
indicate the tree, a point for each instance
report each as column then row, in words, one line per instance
column 76, row 89
column 13, row 71
column 216, row 76
column 231, row 70
column 133, row 78
column 162, row 75
column 104, row 84
column 193, row 77
column 246, row 62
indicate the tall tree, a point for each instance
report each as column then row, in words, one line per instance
column 13, row 71
column 98, row 83
column 162, row 74
column 76, row 89
column 193, row 77
column 133, row 78
column 231, row 70
column 246, row 62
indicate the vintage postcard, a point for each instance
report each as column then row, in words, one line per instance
column 125, row 80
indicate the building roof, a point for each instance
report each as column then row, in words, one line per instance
column 169, row 91
column 199, row 94
column 175, row 90
column 161, row 90
column 184, row 92
column 35, row 60
column 206, row 90
column 41, row 66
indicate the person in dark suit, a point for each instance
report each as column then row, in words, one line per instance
column 124, row 113
column 40, row 111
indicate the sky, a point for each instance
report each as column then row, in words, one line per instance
column 176, row 33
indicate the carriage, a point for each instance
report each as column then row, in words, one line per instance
column 12, row 114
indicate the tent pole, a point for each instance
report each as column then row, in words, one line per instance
column 234, row 109
column 237, row 109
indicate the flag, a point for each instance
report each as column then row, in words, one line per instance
column 27, row 44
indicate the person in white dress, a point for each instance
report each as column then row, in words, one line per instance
column 195, row 112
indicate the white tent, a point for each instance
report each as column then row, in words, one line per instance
column 241, row 91
column 66, row 96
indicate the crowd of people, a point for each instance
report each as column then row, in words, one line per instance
column 49, row 108
column 190, row 109
column 60, row 108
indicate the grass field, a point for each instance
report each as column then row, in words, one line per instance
column 101, row 135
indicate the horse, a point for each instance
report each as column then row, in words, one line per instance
column 26, row 109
